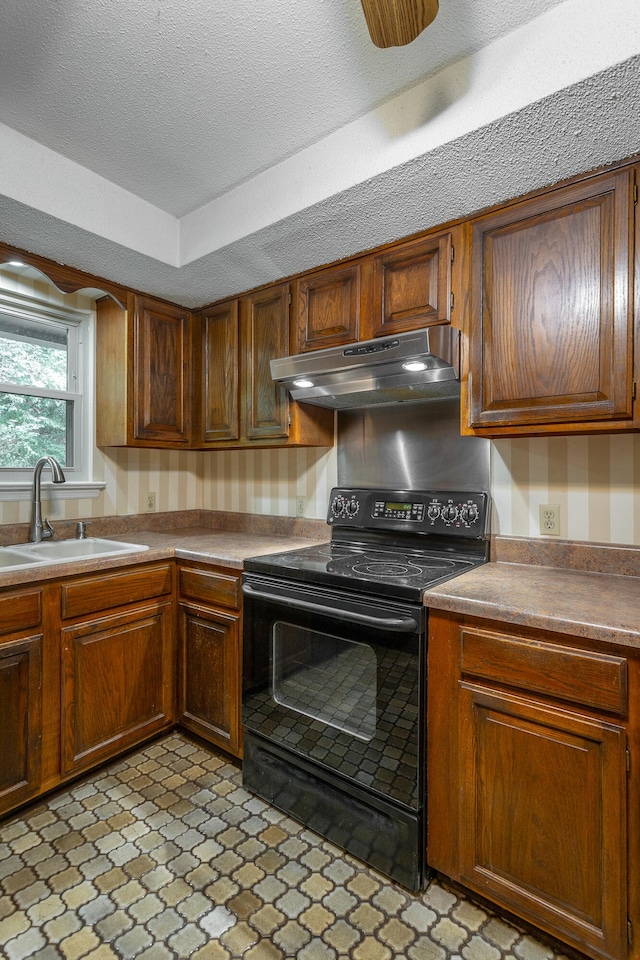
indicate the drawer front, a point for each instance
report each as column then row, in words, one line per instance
column 578, row 676
column 219, row 589
column 20, row 611
column 95, row 593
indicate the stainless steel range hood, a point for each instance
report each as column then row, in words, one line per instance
column 418, row 365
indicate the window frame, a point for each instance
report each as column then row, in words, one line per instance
column 15, row 482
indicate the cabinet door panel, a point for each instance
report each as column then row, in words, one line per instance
column 20, row 719
column 117, row 679
column 209, row 678
column 328, row 307
column 220, row 359
column 160, row 378
column 552, row 313
column 412, row 286
column 266, row 336
column 543, row 815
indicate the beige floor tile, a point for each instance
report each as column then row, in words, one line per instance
column 164, row 855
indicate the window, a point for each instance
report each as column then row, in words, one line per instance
column 45, row 349
column 40, row 391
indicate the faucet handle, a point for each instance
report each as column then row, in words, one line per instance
column 47, row 529
column 81, row 529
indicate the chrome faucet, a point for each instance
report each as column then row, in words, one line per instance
column 39, row 530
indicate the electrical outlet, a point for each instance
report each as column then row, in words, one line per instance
column 550, row 519
column 150, row 502
column 300, row 506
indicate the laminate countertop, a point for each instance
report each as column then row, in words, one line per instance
column 222, row 548
column 595, row 605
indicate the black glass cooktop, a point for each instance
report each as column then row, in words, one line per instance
column 363, row 568
column 395, row 543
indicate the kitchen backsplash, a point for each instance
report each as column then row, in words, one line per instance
column 594, row 480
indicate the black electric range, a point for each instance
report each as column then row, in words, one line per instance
column 394, row 543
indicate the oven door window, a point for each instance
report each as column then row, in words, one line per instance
column 327, row 678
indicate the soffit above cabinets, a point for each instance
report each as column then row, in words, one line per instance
column 198, row 150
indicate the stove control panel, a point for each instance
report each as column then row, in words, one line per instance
column 450, row 513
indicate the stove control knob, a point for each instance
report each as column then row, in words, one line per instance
column 469, row 513
column 337, row 506
column 433, row 511
column 351, row 507
column 449, row 513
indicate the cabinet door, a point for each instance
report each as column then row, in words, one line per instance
column 117, row 680
column 219, row 373
column 209, row 687
column 265, row 334
column 20, row 719
column 328, row 308
column 551, row 322
column 160, row 376
column 411, row 285
column 543, row 816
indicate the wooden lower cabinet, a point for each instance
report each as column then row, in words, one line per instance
column 209, row 655
column 117, row 677
column 118, row 657
column 528, row 782
column 20, row 719
column 21, row 695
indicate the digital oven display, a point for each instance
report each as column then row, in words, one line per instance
column 396, row 510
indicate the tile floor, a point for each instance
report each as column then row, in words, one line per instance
column 163, row 856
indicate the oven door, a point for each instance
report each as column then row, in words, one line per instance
column 338, row 680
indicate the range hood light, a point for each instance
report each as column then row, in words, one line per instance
column 414, row 365
column 303, row 382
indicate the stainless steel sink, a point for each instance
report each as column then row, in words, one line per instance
column 61, row 551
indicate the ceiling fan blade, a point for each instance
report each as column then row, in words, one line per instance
column 394, row 23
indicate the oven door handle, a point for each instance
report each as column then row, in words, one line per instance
column 395, row 624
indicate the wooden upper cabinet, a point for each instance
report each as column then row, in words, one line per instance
column 551, row 336
column 327, row 305
column 264, row 323
column 218, row 373
column 410, row 286
column 161, row 365
column 143, row 384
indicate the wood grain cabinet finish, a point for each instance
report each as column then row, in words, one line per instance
column 209, row 656
column 327, row 305
column 117, row 677
column 551, row 326
column 238, row 403
column 528, row 779
column 161, row 372
column 143, row 374
column 265, row 335
column 20, row 719
column 218, row 334
column 410, row 286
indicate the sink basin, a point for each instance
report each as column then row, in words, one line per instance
column 13, row 558
column 60, row 551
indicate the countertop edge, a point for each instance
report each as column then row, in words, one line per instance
column 546, row 598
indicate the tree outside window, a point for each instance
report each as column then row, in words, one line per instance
column 37, row 391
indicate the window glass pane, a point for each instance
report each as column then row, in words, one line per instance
column 33, row 353
column 33, row 427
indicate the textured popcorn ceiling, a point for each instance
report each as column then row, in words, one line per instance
column 196, row 150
